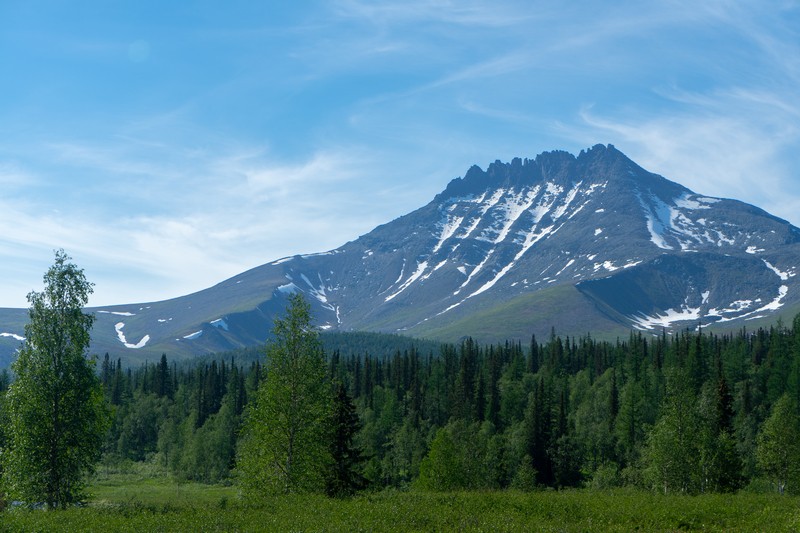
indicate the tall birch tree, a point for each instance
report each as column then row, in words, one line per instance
column 56, row 413
column 286, row 443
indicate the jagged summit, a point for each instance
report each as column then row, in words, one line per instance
column 592, row 243
column 559, row 167
column 498, row 174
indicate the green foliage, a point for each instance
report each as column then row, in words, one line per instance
column 442, row 469
column 354, row 343
column 344, row 478
column 570, row 411
column 138, row 431
column 525, row 477
column 4, row 382
column 720, row 465
column 778, row 449
column 130, row 505
column 594, row 417
column 286, row 434
column 56, row 415
column 458, row 459
column 673, row 452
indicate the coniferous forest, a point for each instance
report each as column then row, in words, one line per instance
column 693, row 412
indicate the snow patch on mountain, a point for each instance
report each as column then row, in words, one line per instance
column 220, row 323
column 774, row 305
column 665, row 319
column 569, row 264
column 559, row 212
column 318, row 254
column 530, row 239
column 512, row 209
column 671, row 219
column 289, row 288
column 449, row 227
column 694, row 202
column 738, row 310
column 402, row 271
column 417, row 273
column 319, row 292
column 121, row 336
column 611, row 267
column 783, row 275
column 777, row 303
column 656, row 213
column 735, row 308
column 485, row 206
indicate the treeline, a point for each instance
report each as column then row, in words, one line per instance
column 693, row 412
column 185, row 419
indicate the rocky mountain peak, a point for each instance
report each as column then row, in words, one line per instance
column 601, row 162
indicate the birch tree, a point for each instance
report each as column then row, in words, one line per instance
column 285, row 446
column 778, row 444
column 56, row 413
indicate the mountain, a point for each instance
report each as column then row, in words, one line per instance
column 587, row 244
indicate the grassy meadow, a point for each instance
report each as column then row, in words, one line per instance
column 128, row 503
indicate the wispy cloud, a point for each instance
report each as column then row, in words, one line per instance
column 13, row 177
column 466, row 13
column 715, row 154
column 239, row 211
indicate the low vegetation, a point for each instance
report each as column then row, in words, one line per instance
column 131, row 502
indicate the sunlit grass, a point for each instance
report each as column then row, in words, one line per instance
column 123, row 503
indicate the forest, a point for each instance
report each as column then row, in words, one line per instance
column 691, row 412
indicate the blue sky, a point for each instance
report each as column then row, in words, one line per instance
column 167, row 146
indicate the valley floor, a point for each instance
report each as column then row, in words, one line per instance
column 121, row 503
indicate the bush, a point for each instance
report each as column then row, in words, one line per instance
column 607, row 476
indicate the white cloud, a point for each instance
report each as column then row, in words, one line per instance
column 240, row 212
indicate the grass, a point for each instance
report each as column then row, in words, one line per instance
column 522, row 315
column 123, row 490
column 125, row 503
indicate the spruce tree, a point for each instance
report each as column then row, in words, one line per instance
column 344, row 478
